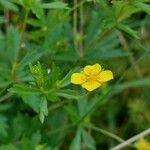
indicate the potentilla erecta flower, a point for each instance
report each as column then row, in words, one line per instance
column 142, row 144
column 91, row 77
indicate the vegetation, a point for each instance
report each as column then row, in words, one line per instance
column 43, row 44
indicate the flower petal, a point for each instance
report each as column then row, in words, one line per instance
column 92, row 69
column 78, row 78
column 91, row 85
column 105, row 76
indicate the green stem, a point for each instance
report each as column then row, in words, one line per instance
column 105, row 133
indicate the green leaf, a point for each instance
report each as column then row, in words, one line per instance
column 88, row 140
column 132, row 84
column 76, row 142
column 65, row 81
column 30, row 57
column 23, row 89
column 143, row 6
column 54, row 74
column 68, row 94
column 3, row 126
column 55, row 5
column 43, row 109
column 2, row 20
column 51, row 96
column 72, row 112
column 9, row 5
column 37, row 9
column 128, row 30
column 8, row 147
column 33, row 101
column 12, row 43
column 35, row 139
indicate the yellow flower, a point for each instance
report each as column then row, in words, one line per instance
column 142, row 144
column 91, row 77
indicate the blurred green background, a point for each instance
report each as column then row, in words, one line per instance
column 42, row 42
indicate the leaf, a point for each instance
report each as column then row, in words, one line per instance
column 65, row 81
column 3, row 126
column 143, row 6
column 68, row 94
column 2, row 20
column 51, row 96
column 54, row 74
column 132, row 84
column 8, row 147
column 30, row 57
column 23, row 89
column 43, row 109
column 9, row 5
column 88, row 140
column 12, row 43
column 35, row 139
column 76, row 142
column 33, row 101
column 37, row 9
column 128, row 30
column 55, row 5
column 72, row 112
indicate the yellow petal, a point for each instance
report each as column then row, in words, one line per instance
column 91, row 85
column 105, row 76
column 142, row 144
column 78, row 78
column 92, row 69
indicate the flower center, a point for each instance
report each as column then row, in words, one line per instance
column 91, row 78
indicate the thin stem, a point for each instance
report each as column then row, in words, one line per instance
column 131, row 140
column 105, row 133
column 78, row 5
